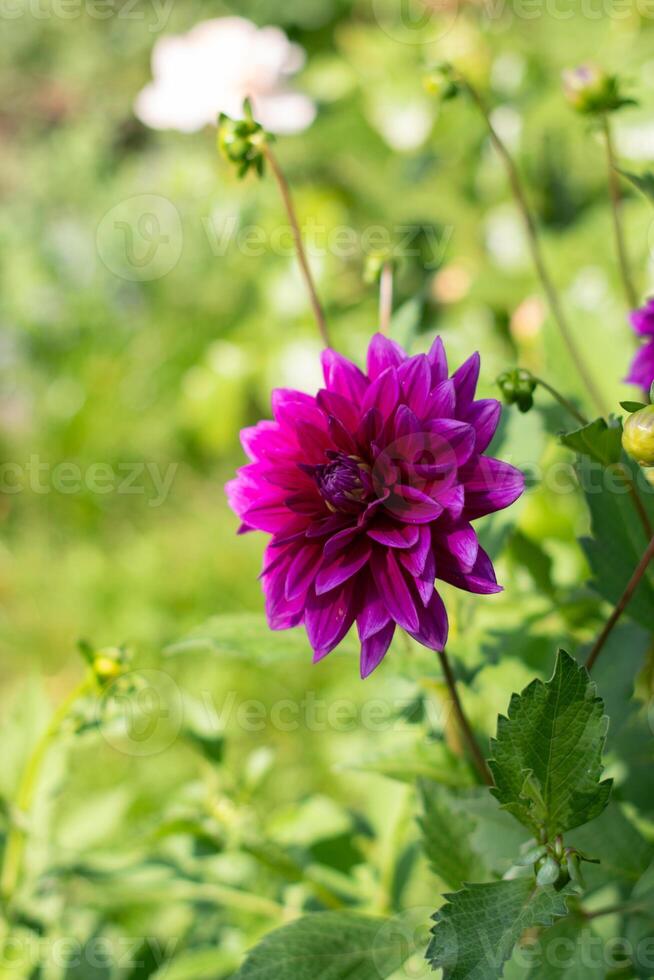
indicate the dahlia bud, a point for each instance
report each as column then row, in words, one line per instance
column 440, row 83
column 590, row 90
column 638, row 436
column 241, row 141
column 517, row 387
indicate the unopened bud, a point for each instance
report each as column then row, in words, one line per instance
column 241, row 141
column 440, row 83
column 590, row 90
column 517, row 387
column 638, row 436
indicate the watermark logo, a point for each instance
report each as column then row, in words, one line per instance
column 141, row 239
column 416, row 21
column 142, row 713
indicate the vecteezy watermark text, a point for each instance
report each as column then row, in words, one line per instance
column 135, row 478
column 155, row 13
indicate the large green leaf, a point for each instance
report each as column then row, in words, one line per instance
column 329, row 946
column 547, row 756
column 447, row 837
column 478, row 927
column 618, row 537
column 570, row 950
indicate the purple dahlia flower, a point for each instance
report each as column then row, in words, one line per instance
column 368, row 490
column 641, row 372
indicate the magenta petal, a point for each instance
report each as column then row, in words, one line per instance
column 438, row 362
column 461, row 544
column 415, row 559
column 442, row 401
column 329, row 617
column 491, row 485
column 302, row 570
column 457, row 440
column 479, row 580
column 412, row 506
column 375, row 648
column 343, row 566
column 382, row 354
column 382, row 395
column 484, row 415
column 415, row 381
column 433, row 627
column 424, row 582
column 642, row 320
column 342, row 376
column 641, row 372
column 372, row 615
column 393, row 589
column 340, row 407
column 465, row 381
column 394, row 535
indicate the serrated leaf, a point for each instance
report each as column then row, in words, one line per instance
column 547, row 756
column 446, row 836
column 478, row 927
column 328, row 946
column 597, row 440
column 618, row 540
column 643, row 182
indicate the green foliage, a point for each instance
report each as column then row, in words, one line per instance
column 598, row 441
column 328, row 946
column 478, row 927
column 644, row 182
column 547, row 754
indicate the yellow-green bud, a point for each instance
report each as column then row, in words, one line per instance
column 108, row 664
column 590, row 90
column 440, row 83
column 638, row 436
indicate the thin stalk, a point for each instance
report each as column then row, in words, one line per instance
column 616, row 210
column 305, row 269
column 15, row 847
column 557, row 396
column 464, row 724
column 621, row 605
column 636, row 499
column 614, row 910
column 533, row 239
column 386, row 298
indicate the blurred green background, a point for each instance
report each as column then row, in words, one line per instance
column 155, row 374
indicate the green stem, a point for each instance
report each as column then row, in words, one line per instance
column 576, row 414
column 621, row 605
column 616, row 210
column 464, row 724
column 533, row 239
column 305, row 269
column 386, row 298
column 15, row 846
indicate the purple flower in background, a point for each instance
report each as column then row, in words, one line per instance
column 641, row 372
column 368, row 490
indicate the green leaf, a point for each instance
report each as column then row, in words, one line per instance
column 643, row 182
column 547, row 756
column 623, row 851
column 632, row 406
column 329, row 946
column 597, row 440
column 447, row 836
column 618, row 539
column 640, row 924
column 478, row 927
column 570, row 950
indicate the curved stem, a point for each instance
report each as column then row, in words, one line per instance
column 569, row 407
column 616, row 210
column 535, row 248
column 386, row 298
column 15, row 846
column 299, row 244
column 621, row 605
column 464, row 724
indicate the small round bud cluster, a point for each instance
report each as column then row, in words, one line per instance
column 241, row 141
column 591, row 91
column 107, row 664
column 638, row 436
column 517, row 387
column 440, row 83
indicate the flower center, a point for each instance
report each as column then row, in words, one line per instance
column 344, row 483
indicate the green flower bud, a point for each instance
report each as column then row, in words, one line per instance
column 241, row 141
column 591, row 91
column 638, row 436
column 440, row 83
column 517, row 387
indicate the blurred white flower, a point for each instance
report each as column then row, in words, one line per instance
column 214, row 68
